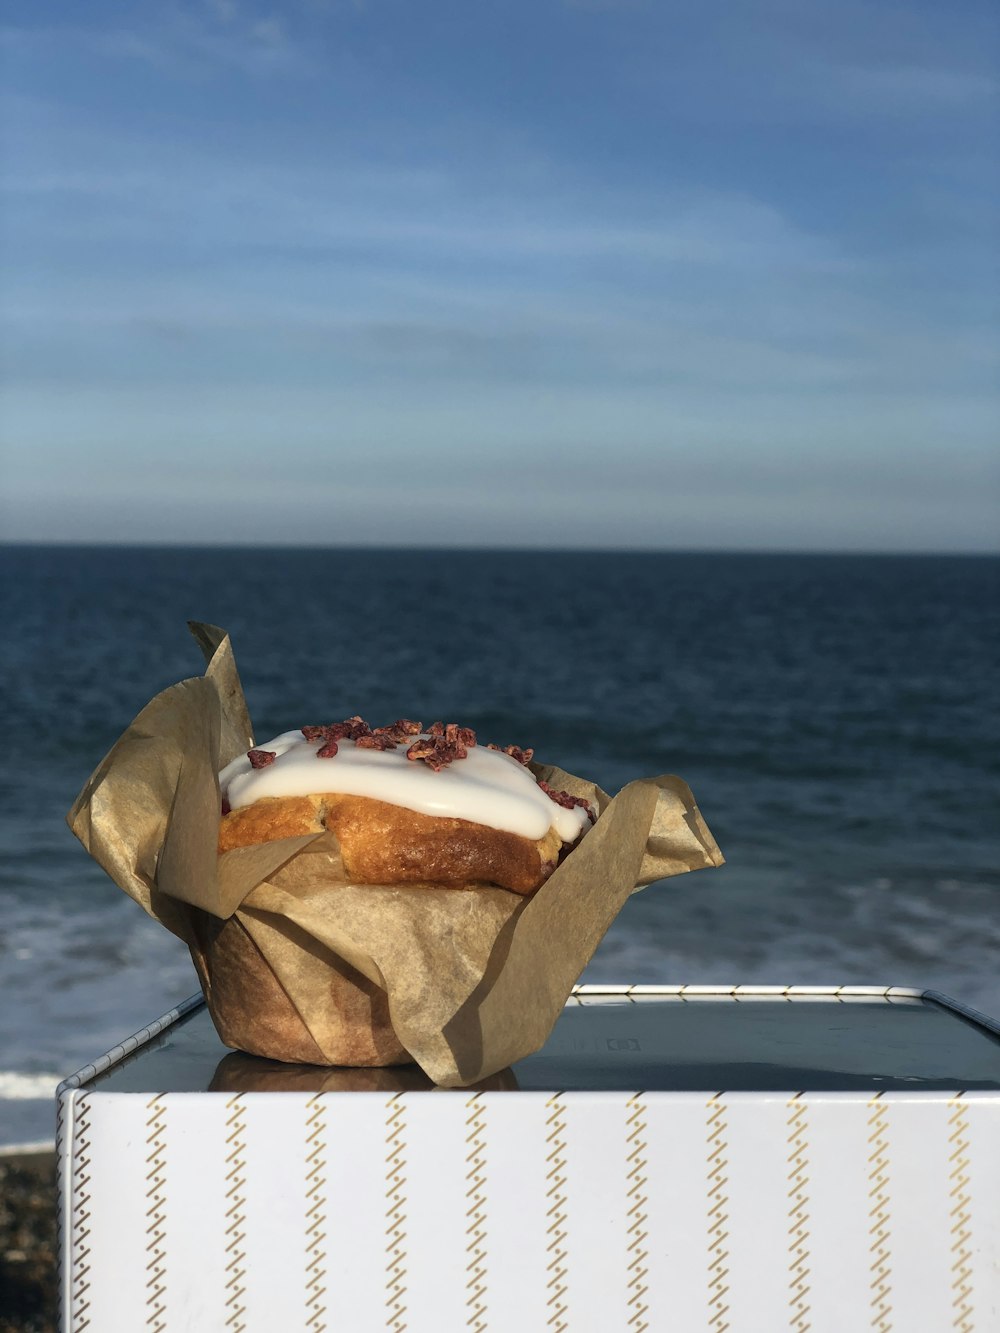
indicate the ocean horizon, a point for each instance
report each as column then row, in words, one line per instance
column 864, row 553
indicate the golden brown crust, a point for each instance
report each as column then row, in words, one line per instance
column 388, row 844
column 270, row 818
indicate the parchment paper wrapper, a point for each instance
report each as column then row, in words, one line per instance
column 464, row 982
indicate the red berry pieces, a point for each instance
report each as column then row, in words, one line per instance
column 567, row 801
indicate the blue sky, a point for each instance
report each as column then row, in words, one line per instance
column 551, row 273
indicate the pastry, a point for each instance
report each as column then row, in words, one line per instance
column 407, row 806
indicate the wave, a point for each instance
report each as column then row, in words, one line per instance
column 18, row 1087
column 30, row 1149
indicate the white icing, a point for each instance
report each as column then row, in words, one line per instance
column 488, row 787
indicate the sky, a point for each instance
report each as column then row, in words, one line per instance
column 567, row 273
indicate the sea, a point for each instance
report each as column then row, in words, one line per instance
column 835, row 715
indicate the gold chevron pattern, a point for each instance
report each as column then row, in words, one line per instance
column 395, row 1203
column 718, row 1218
column 315, row 1213
column 156, row 1214
column 878, row 1213
column 63, row 1203
column 475, row 1213
column 235, row 1214
column 555, row 1197
column 636, row 1253
column 960, row 1215
column 80, row 1246
column 798, row 1218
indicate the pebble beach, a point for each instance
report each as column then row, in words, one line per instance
column 28, row 1243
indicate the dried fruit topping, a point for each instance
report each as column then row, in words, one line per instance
column 448, row 753
column 378, row 740
column 351, row 729
column 261, row 758
column 460, row 736
column 567, row 801
column 515, row 752
column 442, row 745
column 436, row 751
column 428, row 750
column 399, row 730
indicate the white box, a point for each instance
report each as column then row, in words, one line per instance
column 863, row 1194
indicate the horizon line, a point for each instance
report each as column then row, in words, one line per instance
column 490, row 549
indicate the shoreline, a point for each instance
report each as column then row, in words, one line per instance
column 28, row 1156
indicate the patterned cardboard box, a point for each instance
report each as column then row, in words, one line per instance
column 581, row 1209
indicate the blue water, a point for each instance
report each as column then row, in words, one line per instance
column 835, row 715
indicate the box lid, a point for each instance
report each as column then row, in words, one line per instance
column 695, row 1038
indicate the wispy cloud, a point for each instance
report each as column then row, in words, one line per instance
column 788, row 63
column 99, row 184
column 909, row 88
column 189, row 41
column 363, row 269
column 415, row 211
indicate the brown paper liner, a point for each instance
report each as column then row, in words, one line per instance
column 301, row 965
column 252, row 1011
